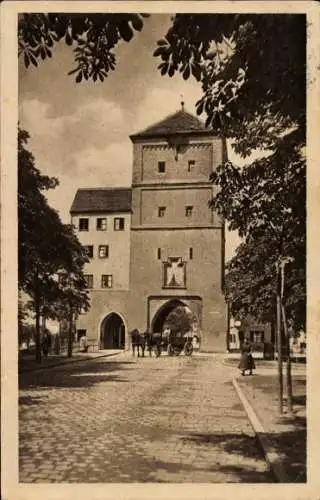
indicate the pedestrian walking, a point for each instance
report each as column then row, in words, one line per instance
column 135, row 341
column 46, row 344
column 246, row 359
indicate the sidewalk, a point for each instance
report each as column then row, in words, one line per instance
column 27, row 362
column 283, row 439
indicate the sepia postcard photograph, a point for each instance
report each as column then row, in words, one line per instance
column 158, row 191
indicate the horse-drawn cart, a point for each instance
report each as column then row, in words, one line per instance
column 174, row 343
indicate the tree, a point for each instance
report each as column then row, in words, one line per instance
column 179, row 319
column 46, row 245
column 71, row 293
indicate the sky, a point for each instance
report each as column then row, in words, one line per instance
column 80, row 132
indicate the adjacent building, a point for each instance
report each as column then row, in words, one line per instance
column 157, row 244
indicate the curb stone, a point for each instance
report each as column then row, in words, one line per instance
column 271, row 455
column 77, row 360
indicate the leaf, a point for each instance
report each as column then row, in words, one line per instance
column 164, row 68
column 186, row 72
column 26, row 60
column 158, row 52
column 68, row 38
column 196, row 71
column 137, row 22
column 125, row 31
column 162, row 42
column 33, row 59
column 171, row 71
column 79, row 77
column 199, row 105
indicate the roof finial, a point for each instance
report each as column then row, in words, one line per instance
column 182, row 102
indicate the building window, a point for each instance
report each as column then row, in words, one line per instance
column 161, row 167
column 161, row 211
column 89, row 280
column 257, row 337
column 106, row 281
column 190, row 253
column 101, row 224
column 103, row 251
column 191, row 164
column 89, row 250
column 189, row 210
column 159, row 253
column 118, row 223
column 84, row 224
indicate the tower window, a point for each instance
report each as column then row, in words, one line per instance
column 103, row 251
column 89, row 250
column 84, row 224
column 101, row 224
column 191, row 164
column 159, row 253
column 106, row 281
column 89, row 280
column 161, row 167
column 118, row 223
column 190, row 253
column 161, row 211
column 189, row 210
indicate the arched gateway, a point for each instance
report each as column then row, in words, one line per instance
column 112, row 332
column 162, row 314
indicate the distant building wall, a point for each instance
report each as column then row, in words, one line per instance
column 118, row 261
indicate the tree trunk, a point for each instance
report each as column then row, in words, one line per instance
column 279, row 346
column 70, row 333
column 37, row 335
column 289, row 375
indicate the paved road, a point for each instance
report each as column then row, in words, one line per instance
column 136, row 420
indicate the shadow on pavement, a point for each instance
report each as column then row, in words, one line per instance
column 222, row 473
column 290, row 444
column 77, row 375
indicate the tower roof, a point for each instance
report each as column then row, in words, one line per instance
column 102, row 200
column 180, row 122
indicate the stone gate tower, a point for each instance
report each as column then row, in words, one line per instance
column 177, row 241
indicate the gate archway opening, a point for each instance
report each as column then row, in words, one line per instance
column 159, row 320
column 112, row 332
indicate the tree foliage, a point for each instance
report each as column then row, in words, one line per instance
column 93, row 38
column 252, row 69
column 47, row 247
column 179, row 320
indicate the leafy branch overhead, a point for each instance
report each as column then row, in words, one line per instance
column 93, row 38
column 253, row 87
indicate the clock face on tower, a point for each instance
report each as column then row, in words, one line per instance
column 174, row 275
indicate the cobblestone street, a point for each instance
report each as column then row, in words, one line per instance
column 122, row 419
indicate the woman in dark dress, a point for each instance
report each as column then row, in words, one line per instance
column 246, row 360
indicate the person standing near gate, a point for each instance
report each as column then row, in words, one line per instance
column 246, row 359
column 83, row 343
